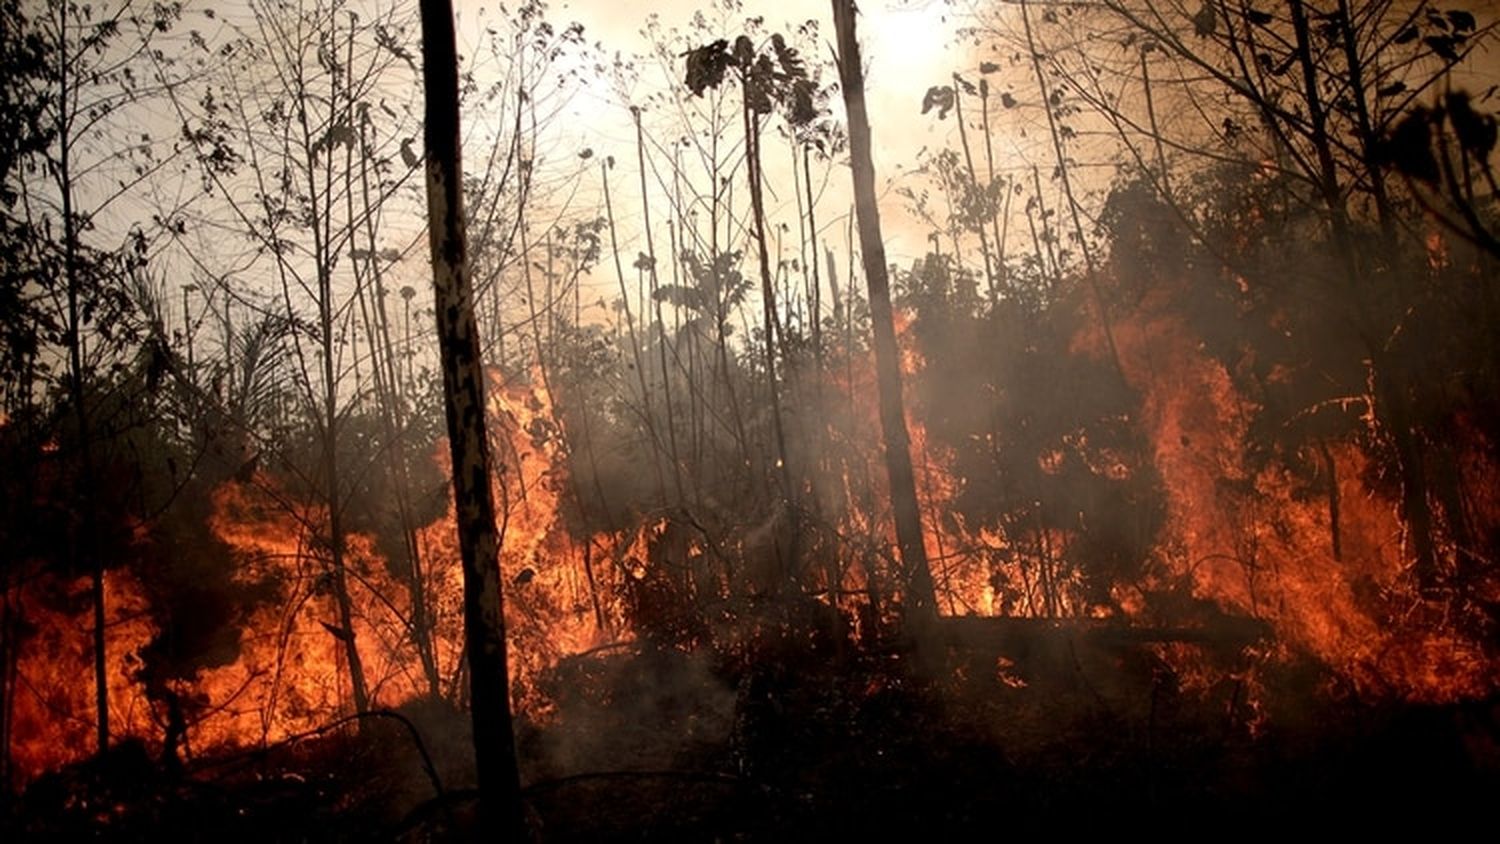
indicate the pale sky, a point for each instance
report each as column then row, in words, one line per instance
column 908, row 46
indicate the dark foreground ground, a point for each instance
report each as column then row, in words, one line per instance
column 816, row 744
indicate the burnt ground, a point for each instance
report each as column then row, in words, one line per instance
column 830, row 743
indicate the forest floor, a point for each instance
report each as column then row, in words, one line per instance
column 829, row 744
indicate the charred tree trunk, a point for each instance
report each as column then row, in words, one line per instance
column 1330, row 468
column 463, row 392
column 920, row 596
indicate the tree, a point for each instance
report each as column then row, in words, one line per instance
column 23, row 136
column 920, row 596
column 301, row 139
column 1442, row 152
column 1308, row 101
column 463, row 391
column 70, row 154
column 768, row 78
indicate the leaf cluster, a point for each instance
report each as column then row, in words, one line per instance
column 770, row 78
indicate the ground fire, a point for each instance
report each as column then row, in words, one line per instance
column 1202, row 449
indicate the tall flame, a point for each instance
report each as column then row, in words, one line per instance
column 290, row 674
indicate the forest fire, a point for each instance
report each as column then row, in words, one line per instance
column 673, row 493
column 48, row 718
column 287, row 674
column 1326, row 567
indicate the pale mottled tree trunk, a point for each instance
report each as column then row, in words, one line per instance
column 920, row 597
column 463, row 390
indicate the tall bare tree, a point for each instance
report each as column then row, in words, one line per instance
column 463, row 391
column 920, row 596
column 72, row 153
column 295, row 108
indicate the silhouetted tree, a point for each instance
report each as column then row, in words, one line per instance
column 463, row 390
column 920, row 595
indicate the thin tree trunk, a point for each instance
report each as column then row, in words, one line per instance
column 394, row 415
column 1368, row 139
column 661, row 326
column 331, row 477
column 767, row 291
column 812, row 261
column 635, row 345
column 787, row 561
column 90, row 527
column 989, row 158
column 920, row 596
column 463, row 391
column 1044, row 240
column 1330, row 467
column 321, row 226
column 963, row 136
column 1161, row 154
